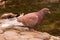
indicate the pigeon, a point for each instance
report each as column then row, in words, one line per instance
column 33, row 19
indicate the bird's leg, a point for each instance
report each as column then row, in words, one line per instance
column 32, row 29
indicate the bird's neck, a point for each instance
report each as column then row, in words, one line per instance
column 41, row 13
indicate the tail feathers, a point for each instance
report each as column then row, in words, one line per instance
column 21, row 15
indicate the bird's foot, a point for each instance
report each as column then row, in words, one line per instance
column 32, row 30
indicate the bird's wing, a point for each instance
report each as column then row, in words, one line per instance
column 29, row 19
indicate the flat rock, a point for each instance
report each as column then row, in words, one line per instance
column 23, row 33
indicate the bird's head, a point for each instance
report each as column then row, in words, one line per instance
column 46, row 11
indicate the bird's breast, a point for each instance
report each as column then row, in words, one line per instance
column 40, row 18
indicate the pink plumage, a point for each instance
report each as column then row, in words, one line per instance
column 34, row 18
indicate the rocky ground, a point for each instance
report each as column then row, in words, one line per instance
column 23, row 33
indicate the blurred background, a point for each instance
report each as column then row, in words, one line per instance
column 50, row 24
